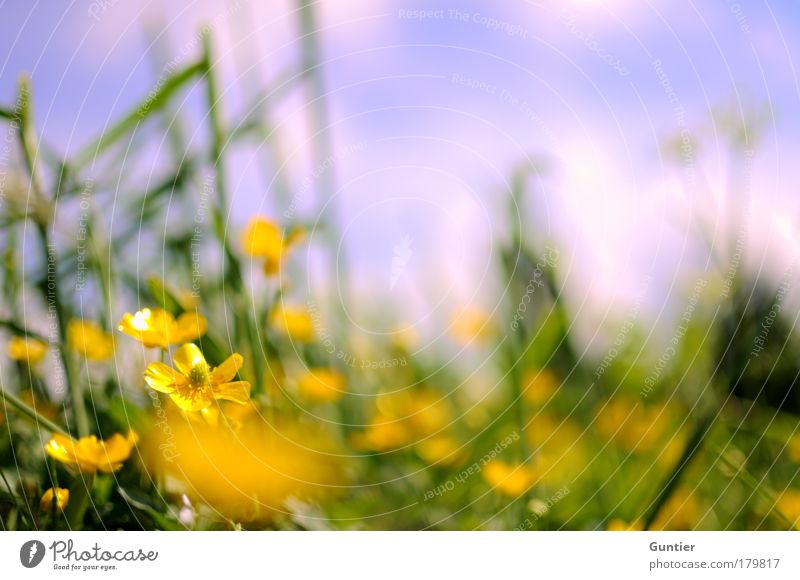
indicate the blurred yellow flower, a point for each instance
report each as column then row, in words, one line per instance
column 538, row 386
column 635, row 426
column 193, row 385
column 294, row 322
column 793, row 448
column 789, row 504
column 322, row 384
column 441, row 450
column 89, row 454
column 424, row 410
column 246, row 473
column 40, row 405
column 237, row 414
column 405, row 338
column 263, row 238
column 681, row 512
column 560, row 447
column 401, row 418
column 512, row 480
column 57, row 495
column 88, row 339
column 382, row 434
column 187, row 299
column 27, row 350
column 618, row 525
column 158, row 328
column 472, row 325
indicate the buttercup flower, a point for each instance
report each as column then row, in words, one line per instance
column 88, row 339
column 322, row 384
column 618, row 525
column 248, row 472
column 473, row 325
column 636, row 427
column 442, row 449
column 402, row 418
column 539, row 386
column 89, row 454
column 158, row 328
column 681, row 511
column 27, row 350
column 57, row 495
column 793, row 448
column 193, row 385
column 265, row 239
column 293, row 321
column 789, row 504
column 383, row 434
column 512, row 480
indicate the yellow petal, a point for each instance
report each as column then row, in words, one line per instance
column 227, row 370
column 238, row 392
column 210, row 415
column 57, row 495
column 322, row 384
column 61, row 449
column 190, row 326
column 194, row 400
column 27, row 350
column 163, row 378
column 89, row 453
column 89, row 340
column 263, row 238
column 293, row 321
column 186, row 357
column 147, row 326
column 118, row 448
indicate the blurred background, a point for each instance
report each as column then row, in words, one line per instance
column 615, row 178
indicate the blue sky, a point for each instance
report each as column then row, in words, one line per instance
column 430, row 115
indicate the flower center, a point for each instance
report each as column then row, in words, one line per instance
column 199, row 375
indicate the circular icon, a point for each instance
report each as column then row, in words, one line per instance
column 31, row 553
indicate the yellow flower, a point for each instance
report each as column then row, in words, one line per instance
column 88, row 339
column 440, row 449
column 40, row 405
column 265, row 239
column 59, row 495
column 539, row 386
column 89, row 455
column 403, row 416
column 187, row 299
column 560, row 446
column 634, row 426
column 383, row 434
column 512, row 480
column 405, row 338
column 793, row 448
column 294, row 322
column 681, row 512
column 246, row 473
column 193, row 385
column 158, row 328
column 27, row 350
column 472, row 325
column 321, row 384
column 789, row 504
column 618, row 525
